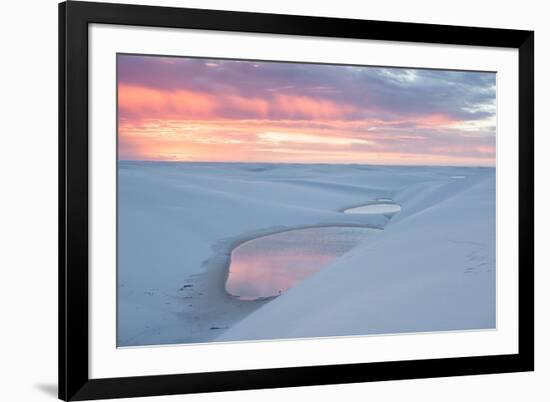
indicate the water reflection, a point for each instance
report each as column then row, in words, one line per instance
column 269, row 265
column 384, row 207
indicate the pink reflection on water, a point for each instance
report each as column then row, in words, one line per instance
column 270, row 265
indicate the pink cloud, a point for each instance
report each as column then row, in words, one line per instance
column 147, row 103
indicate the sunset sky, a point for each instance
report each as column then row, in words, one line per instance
column 185, row 109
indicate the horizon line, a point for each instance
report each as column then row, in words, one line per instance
column 303, row 163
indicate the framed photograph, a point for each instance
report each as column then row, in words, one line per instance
column 258, row 200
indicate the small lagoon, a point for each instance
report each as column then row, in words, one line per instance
column 269, row 265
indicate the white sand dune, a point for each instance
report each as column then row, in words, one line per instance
column 432, row 268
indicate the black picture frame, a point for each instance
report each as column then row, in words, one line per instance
column 74, row 18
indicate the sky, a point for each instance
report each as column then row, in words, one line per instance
column 197, row 109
